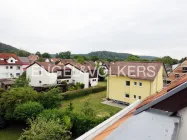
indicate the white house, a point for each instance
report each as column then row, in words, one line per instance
column 10, row 66
column 46, row 74
column 41, row 74
column 83, row 73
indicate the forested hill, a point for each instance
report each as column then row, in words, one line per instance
column 113, row 55
column 7, row 48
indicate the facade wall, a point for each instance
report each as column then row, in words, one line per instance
column 117, row 87
column 37, row 79
column 7, row 72
column 79, row 76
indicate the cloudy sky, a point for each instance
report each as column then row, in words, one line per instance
column 145, row 27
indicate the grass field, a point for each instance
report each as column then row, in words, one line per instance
column 11, row 133
column 95, row 101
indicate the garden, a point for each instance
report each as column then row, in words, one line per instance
column 50, row 115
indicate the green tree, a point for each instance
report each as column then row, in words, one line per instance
column 64, row 55
column 80, row 59
column 22, row 81
column 94, row 58
column 51, row 99
column 27, row 110
column 15, row 96
column 22, row 53
column 166, row 60
column 46, row 55
column 38, row 53
column 43, row 129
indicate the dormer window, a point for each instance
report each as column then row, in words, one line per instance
column 11, row 61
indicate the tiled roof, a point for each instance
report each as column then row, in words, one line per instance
column 130, row 69
column 50, row 67
column 85, row 67
column 24, row 60
column 6, row 56
column 33, row 58
column 148, row 100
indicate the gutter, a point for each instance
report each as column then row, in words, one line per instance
column 103, row 126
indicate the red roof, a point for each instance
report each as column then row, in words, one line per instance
column 6, row 56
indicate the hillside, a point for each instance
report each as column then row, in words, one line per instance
column 113, row 55
column 7, row 48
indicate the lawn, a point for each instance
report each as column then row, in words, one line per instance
column 95, row 101
column 11, row 133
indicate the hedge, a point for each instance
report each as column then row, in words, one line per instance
column 82, row 92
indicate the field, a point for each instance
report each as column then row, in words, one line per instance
column 11, row 133
column 95, row 101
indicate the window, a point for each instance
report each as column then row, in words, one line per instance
column 134, row 96
column 18, row 67
column 17, row 74
column 135, row 83
column 140, row 84
column 140, row 97
column 40, row 72
column 11, row 60
column 6, row 67
column 40, row 82
column 127, row 95
column 177, row 76
column 67, row 80
column 127, row 83
column 11, row 67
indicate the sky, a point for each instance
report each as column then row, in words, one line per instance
column 142, row 27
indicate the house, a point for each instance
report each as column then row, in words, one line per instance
column 25, row 63
column 32, row 58
column 179, row 71
column 10, row 66
column 83, row 73
column 64, row 74
column 43, row 74
column 130, row 81
column 161, row 116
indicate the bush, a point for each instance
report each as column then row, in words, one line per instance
column 82, row 85
column 51, row 99
column 78, row 93
column 57, row 114
column 43, row 129
column 27, row 110
column 83, row 123
column 15, row 96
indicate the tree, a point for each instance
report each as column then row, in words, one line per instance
column 102, row 74
column 51, row 99
column 64, row 55
column 15, row 96
column 46, row 55
column 167, row 60
column 80, row 59
column 38, row 53
column 133, row 58
column 22, row 81
column 41, row 59
column 94, row 58
column 27, row 110
column 22, row 53
column 43, row 129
